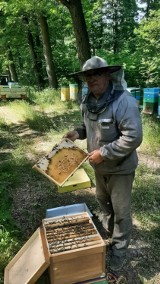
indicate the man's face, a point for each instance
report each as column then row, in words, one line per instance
column 97, row 81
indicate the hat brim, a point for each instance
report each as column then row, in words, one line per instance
column 110, row 69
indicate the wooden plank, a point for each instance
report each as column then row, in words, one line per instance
column 77, row 216
column 77, row 269
column 29, row 263
column 63, row 256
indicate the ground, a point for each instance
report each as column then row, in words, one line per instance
column 138, row 252
column 30, row 196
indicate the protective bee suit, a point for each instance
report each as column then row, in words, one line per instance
column 112, row 124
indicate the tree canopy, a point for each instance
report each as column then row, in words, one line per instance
column 42, row 42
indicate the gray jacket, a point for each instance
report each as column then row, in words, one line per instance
column 116, row 130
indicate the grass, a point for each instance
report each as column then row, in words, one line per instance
column 146, row 200
column 29, row 129
column 151, row 133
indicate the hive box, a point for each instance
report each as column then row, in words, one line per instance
column 77, row 254
column 82, row 261
column 79, row 180
column 154, row 91
column 150, row 108
column 137, row 94
column 150, row 100
column 60, row 164
column 68, row 210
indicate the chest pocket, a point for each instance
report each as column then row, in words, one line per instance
column 108, row 130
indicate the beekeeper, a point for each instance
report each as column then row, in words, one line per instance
column 113, row 128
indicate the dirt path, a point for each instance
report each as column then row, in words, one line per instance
column 150, row 162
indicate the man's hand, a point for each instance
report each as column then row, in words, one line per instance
column 95, row 157
column 72, row 135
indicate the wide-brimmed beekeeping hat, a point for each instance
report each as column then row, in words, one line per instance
column 97, row 63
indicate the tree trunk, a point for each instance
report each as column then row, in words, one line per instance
column 115, row 27
column 52, row 78
column 80, row 29
column 12, row 67
column 37, row 66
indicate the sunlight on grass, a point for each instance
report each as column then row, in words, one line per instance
column 49, row 98
column 47, row 102
column 2, row 121
column 151, row 135
column 14, row 112
column 146, row 198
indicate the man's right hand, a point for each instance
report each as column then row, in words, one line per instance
column 72, row 135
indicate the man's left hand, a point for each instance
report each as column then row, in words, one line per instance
column 95, row 157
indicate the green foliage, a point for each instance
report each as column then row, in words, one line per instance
column 151, row 134
column 8, row 247
column 111, row 31
column 146, row 198
column 148, row 49
column 47, row 96
column 9, row 180
column 5, row 214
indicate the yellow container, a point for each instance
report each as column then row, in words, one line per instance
column 65, row 93
column 79, row 180
column 73, row 91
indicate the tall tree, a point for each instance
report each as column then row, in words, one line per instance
column 148, row 49
column 50, row 68
column 11, row 65
column 37, row 65
column 93, row 11
column 110, row 23
column 119, row 22
column 80, row 29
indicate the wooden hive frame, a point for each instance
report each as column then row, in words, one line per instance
column 64, row 159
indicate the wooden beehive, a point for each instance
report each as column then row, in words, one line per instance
column 64, row 159
column 69, row 245
column 77, row 251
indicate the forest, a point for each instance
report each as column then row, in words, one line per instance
column 42, row 42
